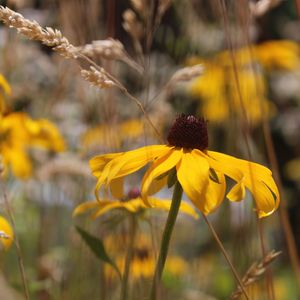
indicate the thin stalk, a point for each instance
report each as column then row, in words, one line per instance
column 129, row 256
column 17, row 245
column 234, row 272
column 164, row 247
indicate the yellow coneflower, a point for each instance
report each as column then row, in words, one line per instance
column 18, row 132
column 113, row 136
column 133, row 203
column 6, row 233
column 200, row 172
column 143, row 260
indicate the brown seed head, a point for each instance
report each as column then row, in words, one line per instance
column 189, row 132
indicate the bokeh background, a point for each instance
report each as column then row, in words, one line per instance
column 249, row 92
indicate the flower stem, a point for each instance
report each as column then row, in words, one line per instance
column 164, row 247
column 132, row 233
column 235, row 274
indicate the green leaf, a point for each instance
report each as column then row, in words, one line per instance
column 97, row 247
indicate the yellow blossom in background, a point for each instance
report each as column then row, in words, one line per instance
column 5, row 91
column 222, row 96
column 112, row 135
column 6, row 233
column 200, row 172
column 132, row 203
column 278, row 55
column 18, row 133
column 143, row 261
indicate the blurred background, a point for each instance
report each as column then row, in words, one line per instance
column 249, row 91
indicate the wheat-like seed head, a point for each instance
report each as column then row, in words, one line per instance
column 97, row 78
column 32, row 30
column 255, row 272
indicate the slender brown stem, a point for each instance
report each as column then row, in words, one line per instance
column 17, row 245
column 234, row 272
column 129, row 256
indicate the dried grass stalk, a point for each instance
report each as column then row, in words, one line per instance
column 186, row 74
column 255, row 272
column 97, row 78
column 261, row 7
column 32, row 30
column 109, row 49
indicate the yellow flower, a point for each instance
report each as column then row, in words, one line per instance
column 113, row 136
column 143, row 261
column 132, row 203
column 4, row 91
column 278, row 55
column 200, row 172
column 18, row 132
column 6, row 233
column 221, row 97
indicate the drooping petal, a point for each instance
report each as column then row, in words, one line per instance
column 98, row 162
column 257, row 178
column 105, row 207
column 83, row 207
column 165, row 204
column 266, row 201
column 157, row 184
column 117, row 188
column 159, row 167
column 225, row 164
column 213, row 195
column 238, row 192
column 193, row 174
column 131, row 161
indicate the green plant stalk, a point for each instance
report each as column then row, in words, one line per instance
column 164, row 247
column 129, row 256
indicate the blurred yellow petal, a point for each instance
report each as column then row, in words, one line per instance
column 193, row 174
column 117, row 188
column 165, row 204
column 6, row 233
column 83, row 207
column 5, row 85
column 98, row 162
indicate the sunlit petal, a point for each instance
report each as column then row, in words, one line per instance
column 83, row 207
column 7, row 234
column 193, row 174
column 237, row 193
column 159, row 167
column 213, row 196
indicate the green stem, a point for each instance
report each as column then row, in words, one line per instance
column 132, row 232
column 164, row 247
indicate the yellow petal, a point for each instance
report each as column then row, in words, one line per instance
column 5, row 85
column 131, row 161
column 225, row 164
column 117, row 188
column 8, row 234
column 193, row 174
column 83, row 207
column 237, row 193
column 257, row 178
column 105, row 207
column 159, row 167
column 98, row 162
column 213, row 195
column 157, row 184
column 165, row 204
